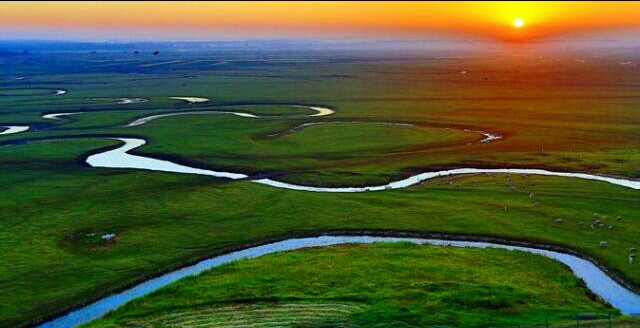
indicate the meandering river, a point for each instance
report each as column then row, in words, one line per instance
column 11, row 129
column 595, row 279
column 120, row 158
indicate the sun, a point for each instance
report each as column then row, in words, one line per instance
column 518, row 22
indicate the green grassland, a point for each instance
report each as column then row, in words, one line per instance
column 380, row 285
column 561, row 115
column 548, row 119
column 162, row 220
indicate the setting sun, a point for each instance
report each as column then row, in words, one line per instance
column 518, row 22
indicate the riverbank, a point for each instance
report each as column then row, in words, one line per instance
column 330, row 240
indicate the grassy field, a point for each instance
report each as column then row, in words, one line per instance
column 380, row 285
column 553, row 112
column 55, row 201
column 560, row 114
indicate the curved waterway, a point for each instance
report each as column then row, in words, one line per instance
column 595, row 279
column 125, row 101
column 147, row 119
column 59, row 116
column 191, row 100
column 488, row 137
column 11, row 129
column 120, row 158
column 320, row 111
column 122, row 101
column 415, row 179
column 302, row 126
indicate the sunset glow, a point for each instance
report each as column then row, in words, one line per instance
column 197, row 20
column 319, row 164
column 518, row 22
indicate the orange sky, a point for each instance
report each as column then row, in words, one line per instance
column 322, row 19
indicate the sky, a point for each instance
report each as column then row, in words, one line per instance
column 186, row 20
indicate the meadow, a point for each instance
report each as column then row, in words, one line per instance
column 380, row 285
column 395, row 115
